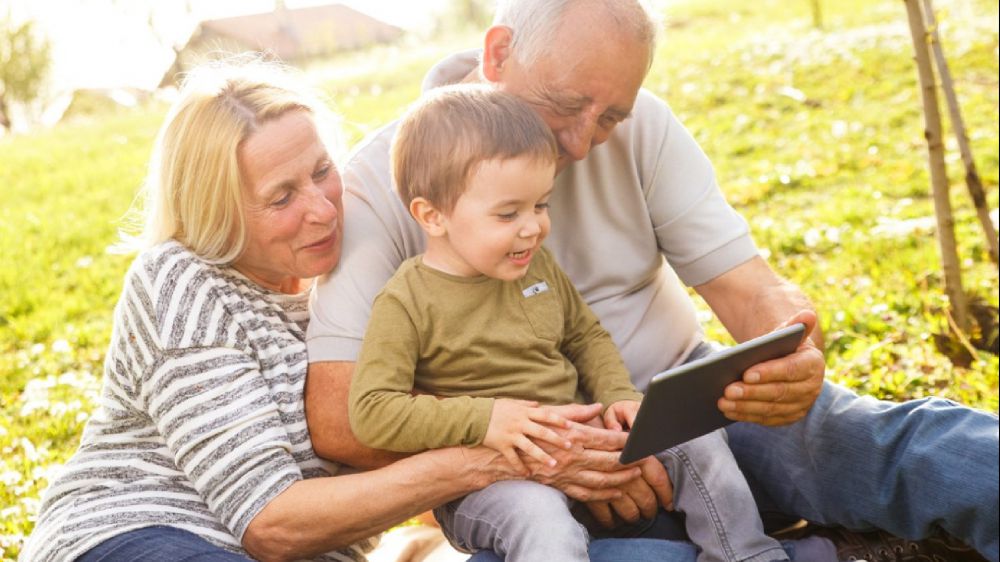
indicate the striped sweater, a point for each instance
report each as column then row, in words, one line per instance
column 201, row 421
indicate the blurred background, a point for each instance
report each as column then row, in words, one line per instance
column 809, row 109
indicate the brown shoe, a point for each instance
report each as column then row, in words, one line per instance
column 879, row 546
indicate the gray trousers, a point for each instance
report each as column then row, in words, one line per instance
column 526, row 521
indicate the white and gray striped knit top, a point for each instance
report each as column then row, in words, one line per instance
column 201, row 421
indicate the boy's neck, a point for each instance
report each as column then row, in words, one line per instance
column 440, row 256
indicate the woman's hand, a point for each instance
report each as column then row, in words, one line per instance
column 513, row 425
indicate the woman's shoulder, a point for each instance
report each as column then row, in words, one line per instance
column 185, row 297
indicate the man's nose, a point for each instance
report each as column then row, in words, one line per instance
column 577, row 140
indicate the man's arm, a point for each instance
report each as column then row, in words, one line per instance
column 327, row 387
column 752, row 300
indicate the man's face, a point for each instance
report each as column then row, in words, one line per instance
column 583, row 88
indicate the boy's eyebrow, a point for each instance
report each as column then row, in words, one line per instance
column 506, row 202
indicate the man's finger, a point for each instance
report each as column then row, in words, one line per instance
column 626, row 508
column 602, row 513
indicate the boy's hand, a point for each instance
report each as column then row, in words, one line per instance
column 621, row 414
column 512, row 425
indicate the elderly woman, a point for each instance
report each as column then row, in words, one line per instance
column 200, row 447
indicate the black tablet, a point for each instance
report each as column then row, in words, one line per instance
column 682, row 403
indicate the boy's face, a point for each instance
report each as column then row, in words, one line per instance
column 499, row 223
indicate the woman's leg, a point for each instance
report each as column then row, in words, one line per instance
column 906, row 468
column 159, row 544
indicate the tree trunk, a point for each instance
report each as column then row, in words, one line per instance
column 4, row 116
column 972, row 180
column 817, row 12
column 939, row 176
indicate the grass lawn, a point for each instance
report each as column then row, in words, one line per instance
column 816, row 135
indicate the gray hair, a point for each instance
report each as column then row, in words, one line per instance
column 535, row 22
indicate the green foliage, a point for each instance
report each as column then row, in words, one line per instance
column 24, row 64
column 816, row 138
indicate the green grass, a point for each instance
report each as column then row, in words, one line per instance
column 817, row 138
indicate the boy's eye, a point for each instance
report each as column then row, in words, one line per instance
column 507, row 216
column 542, row 206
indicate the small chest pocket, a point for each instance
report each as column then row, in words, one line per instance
column 544, row 312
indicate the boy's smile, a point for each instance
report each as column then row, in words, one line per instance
column 498, row 222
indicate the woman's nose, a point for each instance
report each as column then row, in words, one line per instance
column 321, row 208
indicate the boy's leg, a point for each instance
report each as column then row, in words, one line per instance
column 906, row 468
column 518, row 520
column 721, row 516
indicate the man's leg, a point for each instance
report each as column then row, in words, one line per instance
column 518, row 520
column 907, row 468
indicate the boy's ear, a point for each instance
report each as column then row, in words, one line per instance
column 496, row 51
column 428, row 217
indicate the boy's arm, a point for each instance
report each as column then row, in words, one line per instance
column 589, row 347
column 383, row 412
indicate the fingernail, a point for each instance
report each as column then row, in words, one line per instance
column 726, row 405
column 737, row 391
column 753, row 376
column 568, row 445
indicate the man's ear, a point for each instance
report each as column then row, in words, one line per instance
column 428, row 217
column 496, row 51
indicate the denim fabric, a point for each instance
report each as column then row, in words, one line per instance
column 517, row 519
column 721, row 516
column 624, row 550
column 159, row 544
column 907, row 468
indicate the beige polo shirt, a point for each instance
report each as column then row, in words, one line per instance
column 631, row 224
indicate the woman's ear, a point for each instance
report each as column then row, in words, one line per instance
column 428, row 217
column 496, row 51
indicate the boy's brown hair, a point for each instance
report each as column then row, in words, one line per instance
column 448, row 132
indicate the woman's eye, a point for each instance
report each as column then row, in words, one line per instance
column 284, row 200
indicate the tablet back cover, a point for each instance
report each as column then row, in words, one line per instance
column 681, row 403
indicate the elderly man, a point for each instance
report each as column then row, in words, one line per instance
column 633, row 188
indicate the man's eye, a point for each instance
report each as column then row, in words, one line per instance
column 322, row 173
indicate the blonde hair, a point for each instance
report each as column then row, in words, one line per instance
column 194, row 188
column 447, row 133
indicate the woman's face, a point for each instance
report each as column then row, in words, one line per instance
column 292, row 199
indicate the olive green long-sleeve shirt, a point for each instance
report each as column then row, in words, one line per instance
column 468, row 340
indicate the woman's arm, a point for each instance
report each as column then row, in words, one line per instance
column 323, row 514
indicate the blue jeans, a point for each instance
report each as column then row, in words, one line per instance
column 159, row 544
column 908, row 468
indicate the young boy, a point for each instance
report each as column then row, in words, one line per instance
column 490, row 327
